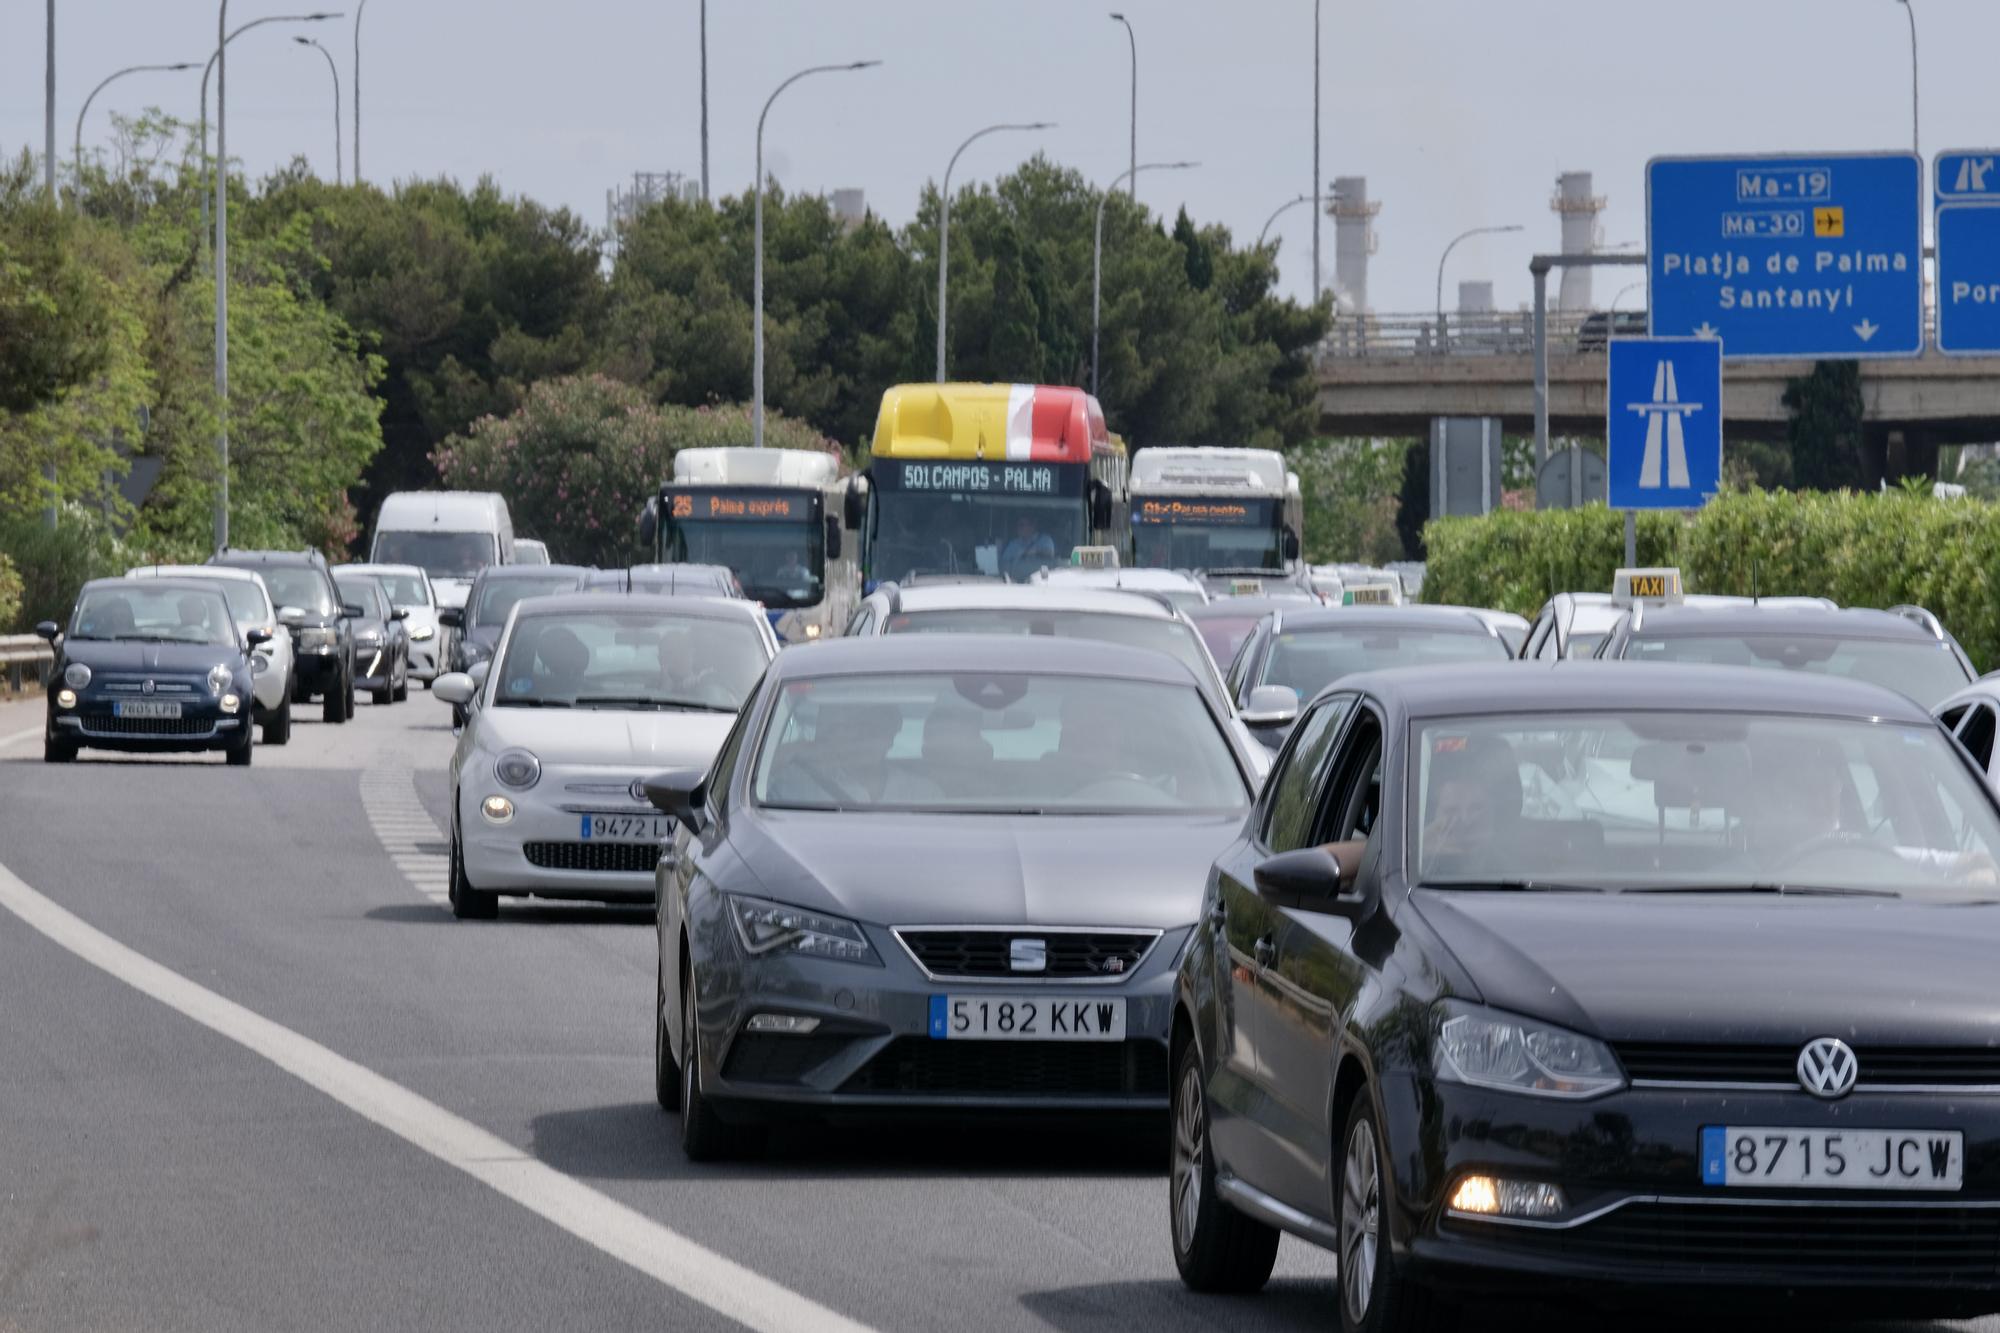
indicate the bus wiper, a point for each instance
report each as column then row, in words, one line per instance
column 1779, row 890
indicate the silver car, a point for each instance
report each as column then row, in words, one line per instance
column 585, row 695
column 411, row 592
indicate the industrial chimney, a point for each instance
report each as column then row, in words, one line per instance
column 1578, row 208
column 1353, row 240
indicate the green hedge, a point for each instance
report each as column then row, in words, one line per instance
column 1861, row 549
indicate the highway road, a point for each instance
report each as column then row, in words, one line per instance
column 257, row 1078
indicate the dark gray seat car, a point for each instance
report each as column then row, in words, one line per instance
column 381, row 642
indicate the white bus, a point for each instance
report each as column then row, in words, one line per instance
column 1215, row 509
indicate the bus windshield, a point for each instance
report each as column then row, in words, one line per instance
column 443, row 555
column 1206, row 532
column 773, row 541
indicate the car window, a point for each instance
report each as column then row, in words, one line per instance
column 443, row 555
column 723, row 771
column 1353, row 799
column 497, row 596
column 405, row 590
column 1923, row 669
column 1976, row 735
column 302, row 586
column 1701, row 800
column 154, row 613
column 1225, row 634
column 629, row 660
column 246, row 602
column 1309, row 660
column 361, row 593
column 996, row 743
column 1295, row 782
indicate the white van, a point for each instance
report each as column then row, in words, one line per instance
column 452, row 535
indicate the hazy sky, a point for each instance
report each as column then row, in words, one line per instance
column 1459, row 112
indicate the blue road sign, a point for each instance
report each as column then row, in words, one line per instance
column 1968, row 278
column 1816, row 256
column 1964, row 175
column 1663, row 433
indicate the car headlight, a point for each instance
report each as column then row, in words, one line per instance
column 1489, row 1049
column 76, row 675
column 230, row 703
column 259, row 664
column 219, row 678
column 766, row 927
column 317, row 636
column 518, row 768
column 368, row 638
column 65, row 698
column 422, row 633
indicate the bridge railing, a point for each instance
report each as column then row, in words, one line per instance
column 1499, row 333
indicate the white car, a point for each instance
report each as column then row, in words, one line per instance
column 410, row 590
column 584, row 697
column 1182, row 589
column 250, row 606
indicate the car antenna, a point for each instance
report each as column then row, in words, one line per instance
column 1753, row 580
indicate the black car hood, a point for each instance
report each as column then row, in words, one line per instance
column 133, row 655
column 1055, row 870
column 1735, row 968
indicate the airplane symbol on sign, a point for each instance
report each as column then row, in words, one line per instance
column 1664, row 418
column 1972, row 175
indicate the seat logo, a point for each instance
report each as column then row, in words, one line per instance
column 148, row 687
column 1828, row 1067
column 1028, row 955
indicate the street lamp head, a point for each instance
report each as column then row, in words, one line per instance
column 321, row 18
column 864, row 64
column 1119, row 17
column 190, row 64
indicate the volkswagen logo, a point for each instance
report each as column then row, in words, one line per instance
column 148, row 687
column 1827, row 1067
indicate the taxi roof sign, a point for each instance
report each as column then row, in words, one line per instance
column 1245, row 587
column 1369, row 594
column 1094, row 557
column 1660, row 585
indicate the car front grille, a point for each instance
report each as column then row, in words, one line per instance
column 923, row 1066
column 623, row 857
column 763, row 1057
column 1078, row 955
column 1930, row 1066
column 105, row 725
column 1860, row 1243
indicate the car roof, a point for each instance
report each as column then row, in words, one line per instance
column 190, row 583
column 1441, row 619
column 1029, row 597
column 370, row 567
column 1803, row 621
column 232, row 572
column 531, row 572
column 1162, row 580
column 653, row 603
column 1255, row 608
column 1592, row 686
column 267, row 557
column 893, row 653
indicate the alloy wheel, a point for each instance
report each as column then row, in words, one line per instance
column 1190, row 1135
column 1360, row 1221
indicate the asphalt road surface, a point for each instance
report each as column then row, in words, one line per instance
column 253, row 1076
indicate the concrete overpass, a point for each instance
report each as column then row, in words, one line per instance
column 1389, row 375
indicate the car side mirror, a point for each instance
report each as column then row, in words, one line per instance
column 454, row 687
column 854, row 505
column 478, row 672
column 1271, row 706
column 1313, row 879
column 399, row 613
column 451, row 617
column 832, row 537
column 1100, row 505
column 48, row 629
column 349, row 611
column 291, row 616
column 1288, row 545
column 253, row 637
column 680, row 792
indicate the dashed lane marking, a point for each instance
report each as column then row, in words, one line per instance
column 667, row 1256
column 406, row 830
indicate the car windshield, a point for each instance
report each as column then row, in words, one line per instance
column 1310, row 660
column 995, row 743
column 1699, row 801
column 246, row 600
column 362, row 593
column 443, row 555
column 1924, row 669
column 629, row 660
column 405, row 590
column 772, row 540
column 497, row 596
column 954, row 533
column 154, row 613
column 298, row 585
column 1206, row 532
column 1224, row 634
column 1155, row 633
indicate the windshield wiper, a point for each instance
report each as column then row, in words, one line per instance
column 531, row 703
column 1780, row 890
column 641, row 701
column 1511, row 886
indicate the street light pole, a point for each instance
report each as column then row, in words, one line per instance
column 1317, row 211
column 359, row 10
column 221, row 275
column 1280, row 211
column 1462, row 236
column 253, row 23
column 1097, row 257
column 1133, row 42
column 334, row 70
column 49, row 112
column 757, row 330
column 78, row 147
column 1916, row 139
column 704, row 104
column 944, row 225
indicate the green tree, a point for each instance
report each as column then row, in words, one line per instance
column 1352, row 498
column 1824, row 428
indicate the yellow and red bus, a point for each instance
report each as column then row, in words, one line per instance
column 993, row 479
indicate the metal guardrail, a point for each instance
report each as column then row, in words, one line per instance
column 21, row 653
column 1499, row 333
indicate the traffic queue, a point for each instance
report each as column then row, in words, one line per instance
column 1009, row 776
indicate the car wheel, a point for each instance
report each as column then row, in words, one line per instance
column 301, row 694
column 239, row 755
column 383, row 697
column 56, row 751
column 1216, row 1248
column 467, row 903
column 1373, row 1297
column 331, row 709
column 704, row 1136
column 402, row 686
column 347, row 690
column 279, row 729
column 666, row 1071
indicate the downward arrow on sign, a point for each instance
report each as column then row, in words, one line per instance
column 1866, row 328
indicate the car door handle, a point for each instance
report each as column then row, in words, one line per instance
column 1265, row 950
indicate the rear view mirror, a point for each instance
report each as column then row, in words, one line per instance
column 454, row 687
column 349, row 611
column 451, row 617
column 1289, row 545
column 680, row 792
column 854, row 505
column 832, row 537
column 478, row 673
column 1271, row 706
column 1315, row 879
column 48, row 629
column 256, row 636
column 399, row 614
column 291, row 616
column 1100, row 505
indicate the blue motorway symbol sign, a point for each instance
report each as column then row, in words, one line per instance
column 1968, row 278
column 1788, row 256
column 1663, row 433
column 1965, row 174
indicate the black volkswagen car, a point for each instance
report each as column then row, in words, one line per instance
column 381, row 643
column 1608, row 981
column 149, row 664
column 310, row 609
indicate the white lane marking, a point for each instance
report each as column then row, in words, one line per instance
column 19, row 736
column 632, row 1238
column 406, row 831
